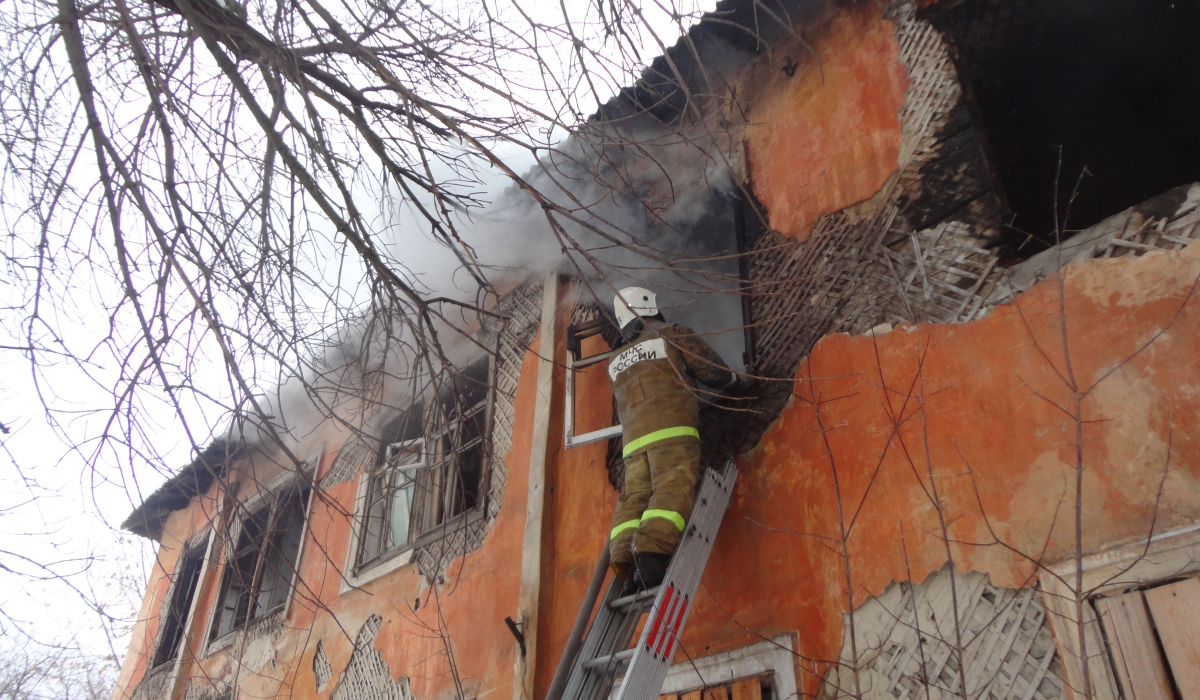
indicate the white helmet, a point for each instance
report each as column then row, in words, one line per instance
column 632, row 302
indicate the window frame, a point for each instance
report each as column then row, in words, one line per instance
column 438, row 423
column 369, row 500
column 772, row 657
column 275, row 501
column 181, row 606
column 575, row 361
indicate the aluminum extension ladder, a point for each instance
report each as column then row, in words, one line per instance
column 606, row 653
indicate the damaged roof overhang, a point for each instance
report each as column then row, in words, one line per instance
column 194, row 479
column 746, row 26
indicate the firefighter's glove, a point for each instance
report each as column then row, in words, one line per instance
column 741, row 383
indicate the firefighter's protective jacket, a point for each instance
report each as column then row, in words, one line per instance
column 654, row 382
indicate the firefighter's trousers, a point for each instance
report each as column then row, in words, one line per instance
column 660, row 485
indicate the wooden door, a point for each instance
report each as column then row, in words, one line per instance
column 1176, row 611
column 1135, row 654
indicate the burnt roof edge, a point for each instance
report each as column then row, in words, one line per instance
column 149, row 519
column 745, row 26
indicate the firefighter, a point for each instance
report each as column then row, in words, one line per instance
column 654, row 373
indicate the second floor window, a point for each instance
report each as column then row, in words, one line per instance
column 258, row 569
column 183, row 590
column 432, row 473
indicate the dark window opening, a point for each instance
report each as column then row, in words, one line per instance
column 465, row 410
column 1115, row 83
column 432, row 468
column 258, row 571
column 183, row 591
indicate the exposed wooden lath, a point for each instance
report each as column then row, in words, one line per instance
column 861, row 266
column 1167, row 222
column 805, row 290
column 941, row 275
column 909, row 648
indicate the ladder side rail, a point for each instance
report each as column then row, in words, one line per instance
column 622, row 642
column 652, row 658
column 612, row 631
column 722, row 492
column 648, row 677
column 668, row 600
column 598, row 683
column 647, row 672
column 598, row 633
column 576, row 636
column 606, row 650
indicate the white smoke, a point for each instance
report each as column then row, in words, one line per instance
column 645, row 202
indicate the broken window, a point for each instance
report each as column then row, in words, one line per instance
column 433, row 467
column 259, row 568
column 183, row 591
column 1114, row 83
column 1152, row 641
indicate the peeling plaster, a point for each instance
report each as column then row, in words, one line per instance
column 367, row 676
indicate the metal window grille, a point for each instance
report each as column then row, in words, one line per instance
column 434, row 469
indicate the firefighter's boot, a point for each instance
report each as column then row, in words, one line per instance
column 632, row 585
column 652, row 568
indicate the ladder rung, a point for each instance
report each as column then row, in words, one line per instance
column 620, row 657
column 604, row 652
column 629, row 600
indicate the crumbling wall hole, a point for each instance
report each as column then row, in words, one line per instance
column 1114, row 83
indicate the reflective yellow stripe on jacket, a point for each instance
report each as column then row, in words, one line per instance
column 652, row 513
column 627, row 525
column 657, row 435
column 666, row 515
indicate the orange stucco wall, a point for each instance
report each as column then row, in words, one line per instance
column 1000, row 455
column 1002, row 459
column 828, row 136
column 468, row 608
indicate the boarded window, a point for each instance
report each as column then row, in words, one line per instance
column 259, row 567
column 1154, row 639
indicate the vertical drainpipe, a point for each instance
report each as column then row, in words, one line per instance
column 531, row 545
column 743, row 249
